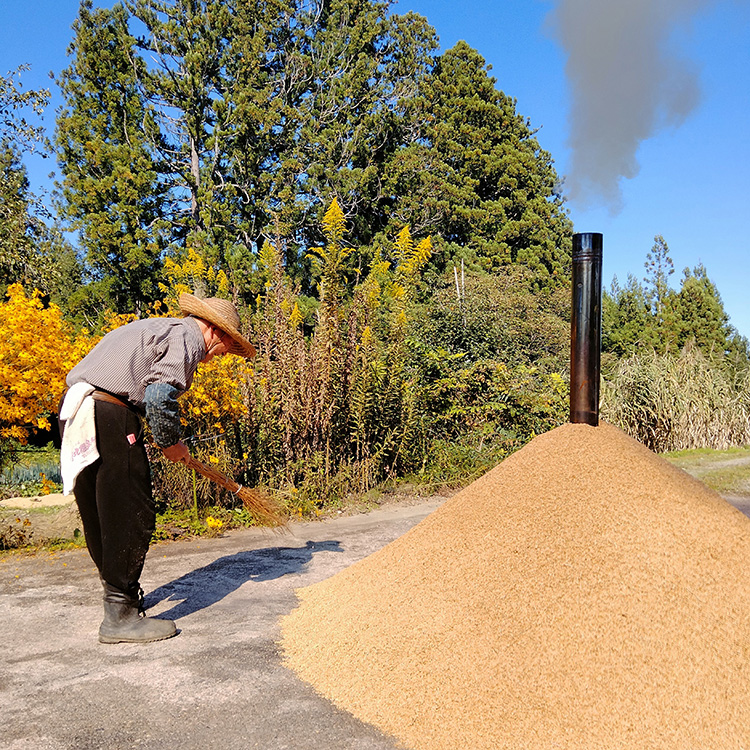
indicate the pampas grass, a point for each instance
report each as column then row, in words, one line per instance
column 678, row 401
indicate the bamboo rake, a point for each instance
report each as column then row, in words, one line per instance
column 265, row 509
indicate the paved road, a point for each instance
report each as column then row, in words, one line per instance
column 219, row 684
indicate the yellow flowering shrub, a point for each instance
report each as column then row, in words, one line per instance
column 37, row 349
column 329, row 262
column 216, row 396
column 192, row 272
column 116, row 320
column 412, row 256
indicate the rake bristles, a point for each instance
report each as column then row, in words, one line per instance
column 266, row 510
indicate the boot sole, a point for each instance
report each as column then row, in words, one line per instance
column 120, row 639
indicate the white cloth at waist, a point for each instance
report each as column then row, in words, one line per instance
column 79, row 437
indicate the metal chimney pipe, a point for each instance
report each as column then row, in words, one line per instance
column 586, row 329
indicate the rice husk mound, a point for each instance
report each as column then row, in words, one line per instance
column 583, row 594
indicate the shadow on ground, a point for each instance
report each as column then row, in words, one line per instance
column 206, row 586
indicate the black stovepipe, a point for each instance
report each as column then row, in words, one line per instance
column 586, row 328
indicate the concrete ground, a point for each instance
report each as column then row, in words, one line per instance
column 220, row 683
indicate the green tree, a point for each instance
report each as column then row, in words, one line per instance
column 255, row 114
column 658, row 318
column 258, row 114
column 659, row 267
column 497, row 317
column 191, row 113
column 111, row 190
column 324, row 90
column 15, row 130
column 17, row 226
column 363, row 67
column 642, row 315
column 627, row 323
column 31, row 252
column 701, row 317
column 257, row 97
column 475, row 175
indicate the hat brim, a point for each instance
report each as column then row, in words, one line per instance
column 192, row 305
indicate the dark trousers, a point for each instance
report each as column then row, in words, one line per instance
column 114, row 497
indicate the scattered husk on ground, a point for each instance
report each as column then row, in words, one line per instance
column 583, row 594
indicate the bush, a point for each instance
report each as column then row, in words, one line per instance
column 498, row 317
column 331, row 399
column 327, row 408
column 37, row 350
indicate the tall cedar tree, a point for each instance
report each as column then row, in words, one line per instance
column 476, row 176
column 267, row 111
column 254, row 96
column 363, row 67
column 110, row 190
column 188, row 94
column 224, row 85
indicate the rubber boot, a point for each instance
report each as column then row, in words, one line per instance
column 125, row 622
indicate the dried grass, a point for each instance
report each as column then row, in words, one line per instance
column 677, row 402
column 336, row 397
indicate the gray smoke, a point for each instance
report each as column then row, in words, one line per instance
column 625, row 82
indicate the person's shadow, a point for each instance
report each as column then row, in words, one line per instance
column 205, row 586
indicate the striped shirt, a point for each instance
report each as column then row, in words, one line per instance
column 130, row 358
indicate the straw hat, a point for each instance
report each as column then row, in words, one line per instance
column 221, row 313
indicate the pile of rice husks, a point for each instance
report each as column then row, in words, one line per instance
column 583, row 594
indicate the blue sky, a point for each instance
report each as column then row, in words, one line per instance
column 669, row 93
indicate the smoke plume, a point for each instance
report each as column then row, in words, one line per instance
column 625, row 82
